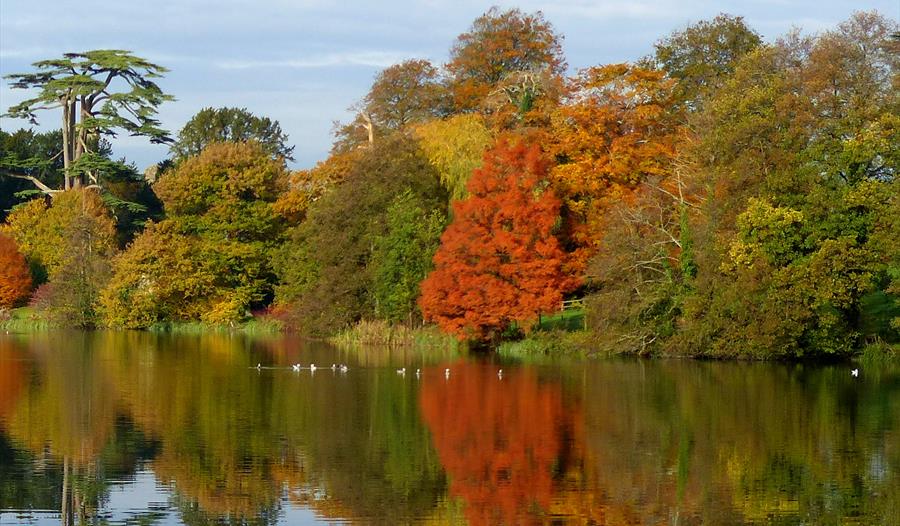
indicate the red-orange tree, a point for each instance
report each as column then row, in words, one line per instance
column 498, row 261
column 15, row 279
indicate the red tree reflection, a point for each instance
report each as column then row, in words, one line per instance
column 12, row 378
column 504, row 443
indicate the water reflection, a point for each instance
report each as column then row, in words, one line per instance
column 505, row 443
column 119, row 428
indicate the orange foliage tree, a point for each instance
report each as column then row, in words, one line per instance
column 15, row 279
column 499, row 44
column 503, row 443
column 499, row 261
column 616, row 132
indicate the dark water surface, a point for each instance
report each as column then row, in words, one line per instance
column 136, row 428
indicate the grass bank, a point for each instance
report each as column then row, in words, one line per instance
column 23, row 319
column 26, row 319
column 549, row 344
column 253, row 326
column 382, row 333
column 559, row 335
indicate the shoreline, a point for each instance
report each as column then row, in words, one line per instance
column 541, row 344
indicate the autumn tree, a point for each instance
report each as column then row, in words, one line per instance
column 210, row 259
column 405, row 93
column 212, row 125
column 99, row 92
column 307, row 186
column 455, row 147
column 615, row 133
column 40, row 229
column 15, row 279
column 644, row 266
column 524, row 99
column 499, row 261
column 498, row 44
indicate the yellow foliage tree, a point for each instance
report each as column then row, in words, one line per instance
column 455, row 147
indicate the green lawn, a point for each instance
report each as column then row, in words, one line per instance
column 568, row 320
column 23, row 319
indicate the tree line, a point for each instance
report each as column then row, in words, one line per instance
column 721, row 196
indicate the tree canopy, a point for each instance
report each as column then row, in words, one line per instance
column 500, row 43
column 211, row 125
column 99, row 92
column 724, row 196
column 499, row 262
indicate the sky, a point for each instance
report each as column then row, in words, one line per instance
column 305, row 62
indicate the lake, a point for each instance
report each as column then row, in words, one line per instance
column 140, row 428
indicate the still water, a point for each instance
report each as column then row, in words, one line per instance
column 137, row 428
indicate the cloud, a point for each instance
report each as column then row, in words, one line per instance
column 26, row 53
column 606, row 10
column 376, row 59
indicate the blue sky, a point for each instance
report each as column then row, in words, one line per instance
column 304, row 62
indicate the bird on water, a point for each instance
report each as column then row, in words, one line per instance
column 854, row 372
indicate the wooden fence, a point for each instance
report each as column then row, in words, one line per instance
column 572, row 304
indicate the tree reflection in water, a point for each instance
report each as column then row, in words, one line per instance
column 613, row 442
column 506, row 444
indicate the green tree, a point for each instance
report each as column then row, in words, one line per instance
column 703, row 55
column 99, row 92
column 71, row 297
column 402, row 257
column 211, row 125
column 795, row 149
column 20, row 151
column 325, row 268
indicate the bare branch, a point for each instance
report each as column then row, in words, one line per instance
column 37, row 182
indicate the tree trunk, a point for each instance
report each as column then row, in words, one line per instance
column 82, row 138
column 369, row 128
column 67, row 142
column 66, row 509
